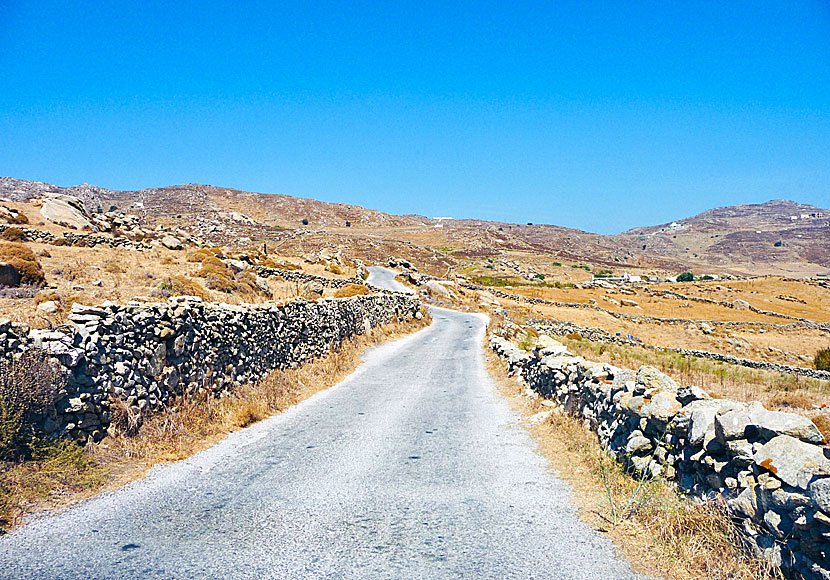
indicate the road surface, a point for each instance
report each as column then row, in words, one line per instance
column 385, row 278
column 413, row 467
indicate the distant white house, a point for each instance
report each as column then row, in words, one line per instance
column 793, row 218
column 674, row 225
column 626, row 277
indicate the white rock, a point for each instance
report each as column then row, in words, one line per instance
column 49, row 307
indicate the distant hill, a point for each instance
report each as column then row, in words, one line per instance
column 778, row 236
column 780, row 232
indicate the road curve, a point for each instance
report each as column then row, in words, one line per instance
column 385, row 278
column 413, row 467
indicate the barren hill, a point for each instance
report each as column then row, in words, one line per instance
column 779, row 236
column 779, row 233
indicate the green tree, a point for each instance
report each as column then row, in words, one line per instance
column 686, row 277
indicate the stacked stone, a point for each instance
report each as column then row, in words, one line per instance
column 561, row 328
column 71, row 238
column 772, row 469
column 146, row 355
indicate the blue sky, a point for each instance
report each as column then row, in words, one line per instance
column 601, row 116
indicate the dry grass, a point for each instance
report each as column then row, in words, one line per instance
column 64, row 473
column 775, row 390
column 351, row 290
column 653, row 527
column 57, row 470
column 181, row 286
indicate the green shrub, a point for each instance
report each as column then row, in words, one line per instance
column 822, row 360
column 29, row 387
column 686, row 277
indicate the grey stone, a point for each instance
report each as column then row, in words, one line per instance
column 820, row 492
column 9, row 276
column 172, row 243
column 638, row 444
column 793, row 461
column 650, row 378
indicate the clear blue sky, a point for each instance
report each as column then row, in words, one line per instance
column 601, row 116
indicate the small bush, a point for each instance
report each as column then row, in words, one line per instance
column 113, row 267
column 25, row 261
column 13, row 235
column 180, row 286
column 686, row 277
column 822, row 360
column 199, row 255
column 305, row 221
column 573, row 336
column 29, row 387
column 778, row 244
column 335, row 269
column 44, row 296
column 351, row 290
column 18, row 218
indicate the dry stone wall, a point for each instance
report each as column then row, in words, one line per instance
column 562, row 328
column 144, row 355
column 72, row 239
column 771, row 469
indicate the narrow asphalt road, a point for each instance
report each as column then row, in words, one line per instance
column 413, row 467
column 385, row 278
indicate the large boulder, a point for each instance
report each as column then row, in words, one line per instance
column 793, row 461
column 652, row 379
column 755, row 422
column 70, row 212
column 547, row 345
column 9, row 276
column 435, row 288
column 172, row 243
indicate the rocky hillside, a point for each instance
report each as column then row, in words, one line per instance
column 779, row 232
column 779, row 236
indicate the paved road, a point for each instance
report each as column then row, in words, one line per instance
column 385, row 278
column 413, row 467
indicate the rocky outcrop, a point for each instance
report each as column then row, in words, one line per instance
column 139, row 357
column 771, row 469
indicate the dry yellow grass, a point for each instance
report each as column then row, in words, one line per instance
column 351, row 290
column 655, row 529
